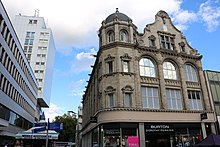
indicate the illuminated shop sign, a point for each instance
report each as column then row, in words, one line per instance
column 159, row 128
column 112, row 132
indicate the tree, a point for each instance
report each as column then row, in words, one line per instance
column 69, row 127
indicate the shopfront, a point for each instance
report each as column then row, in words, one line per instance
column 116, row 135
column 172, row 134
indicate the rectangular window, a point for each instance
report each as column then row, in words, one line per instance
column 110, row 100
column 150, row 98
column 174, row 100
column 167, row 42
column 127, row 100
column 110, row 67
column 125, row 66
column 195, row 102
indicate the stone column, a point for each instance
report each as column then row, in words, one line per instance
column 116, row 32
column 142, row 135
column 162, row 89
column 184, row 87
column 203, row 130
column 103, row 36
column 213, row 129
column 204, row 90
column 137, row 82
column 131, row 35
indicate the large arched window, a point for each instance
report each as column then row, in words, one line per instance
column 123, row 36
column 147, row 68
column 169, row 71
column 190, row 73
column 111, row 36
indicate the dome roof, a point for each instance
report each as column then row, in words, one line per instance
column 118, row 15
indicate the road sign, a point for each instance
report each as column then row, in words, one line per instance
column 39, row 124
column 39, row 129
column 56, row 126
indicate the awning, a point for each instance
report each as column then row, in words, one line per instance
column 39, row 135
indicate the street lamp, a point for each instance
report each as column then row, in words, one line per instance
column 71, row 113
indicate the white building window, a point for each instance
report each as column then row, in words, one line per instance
column 125, row 66
column 123, row 36
column 195, row 102
column 174, row 100
column 169, row 71
column 111, row 36
column 167, row 42
column 190, row 73
column 127, row 100
column 150, row 98
column 147, row 68
column 111, row 100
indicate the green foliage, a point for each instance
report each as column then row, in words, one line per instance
column 69, row 127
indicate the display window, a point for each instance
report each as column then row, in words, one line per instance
column 119, row 135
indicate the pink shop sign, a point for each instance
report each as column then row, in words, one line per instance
column 133, row 141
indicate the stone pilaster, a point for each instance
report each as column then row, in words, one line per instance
column 162, row 89
column 183, row 85
column 116, row 32
column 204, row 90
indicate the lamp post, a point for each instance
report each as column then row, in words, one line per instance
column 71, row 112
column 47, row 127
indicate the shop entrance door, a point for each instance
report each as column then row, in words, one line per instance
column 158, row 141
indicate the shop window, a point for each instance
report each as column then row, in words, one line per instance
column 150, row 98
column 190, row 73
column 169, row 71
column 195, row 102
column 174, row 99
column 147, row 68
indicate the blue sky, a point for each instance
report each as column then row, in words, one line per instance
column 75, row 25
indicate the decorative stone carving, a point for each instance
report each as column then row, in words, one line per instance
column 127, row 88
column 109, row 58
column 126, row 57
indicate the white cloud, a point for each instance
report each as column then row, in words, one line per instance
column 182, row 19
column 83, row 61
column 76, row 88
column 53, row 111
column 210, row 13
column 75, row 23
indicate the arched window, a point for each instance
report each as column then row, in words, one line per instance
column 169, row 71
column 190, row 73
column 123, row 36
column 147, row 68
column 111, row 36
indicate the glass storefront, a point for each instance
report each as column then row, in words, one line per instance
column 172, row 135
column 116, row 135
column 156, row 135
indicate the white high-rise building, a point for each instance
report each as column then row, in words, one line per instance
column 18, row 85
column 38, row 44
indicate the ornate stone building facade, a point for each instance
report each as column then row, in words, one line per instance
column 145, row 88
